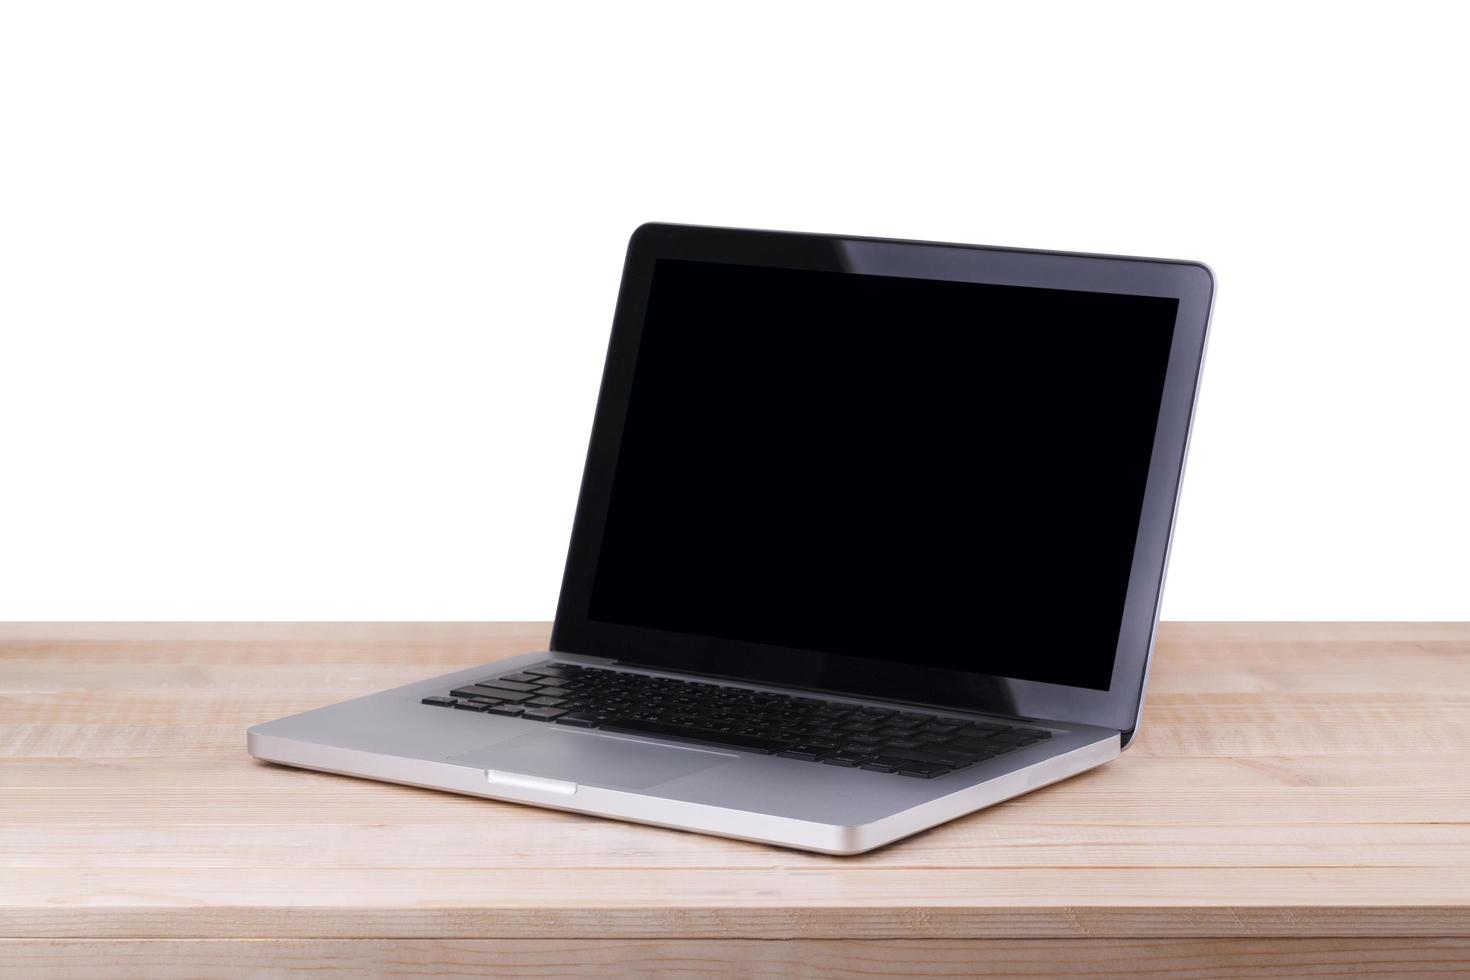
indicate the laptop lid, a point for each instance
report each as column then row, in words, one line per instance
column 935, row 473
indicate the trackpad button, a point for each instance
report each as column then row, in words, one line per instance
column 590, row 759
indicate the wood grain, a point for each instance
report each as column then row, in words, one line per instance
column 263, row 959
column 1299, row 799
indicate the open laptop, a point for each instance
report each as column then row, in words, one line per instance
column 871, row 535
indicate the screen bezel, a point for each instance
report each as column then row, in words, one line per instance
column 1192, row 284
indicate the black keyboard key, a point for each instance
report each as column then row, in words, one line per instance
column 923, row 770
column 542, row 714
column 552, row 670
column 895, row 761
column 902, row 743
column 477, row 691
column 546, row 682
column 577, row 721
column 972, row 744
column 505, row 685
column 848, row 759
column 875, row 765
column 522, row 678
column 953, row 761
column 509, row 710
column 472, row 706
column 700, row 736
column 810, row 753
column 439, row 702
column 544, row 702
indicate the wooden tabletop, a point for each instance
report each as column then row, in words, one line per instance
column 1299, row 798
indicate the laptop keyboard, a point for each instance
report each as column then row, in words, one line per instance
column 834, row 733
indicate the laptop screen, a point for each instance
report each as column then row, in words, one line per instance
column 934, row 473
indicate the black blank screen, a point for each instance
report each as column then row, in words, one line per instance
column 924, row 472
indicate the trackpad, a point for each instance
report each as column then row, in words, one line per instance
column 595, row 760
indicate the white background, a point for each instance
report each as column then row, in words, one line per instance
column 303, row 305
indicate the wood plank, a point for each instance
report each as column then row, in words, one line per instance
column 539, row 841
column 261, row 959
column 750, row 903
column 1383, row 921
column 432, row 645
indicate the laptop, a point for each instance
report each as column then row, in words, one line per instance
column 871, row 535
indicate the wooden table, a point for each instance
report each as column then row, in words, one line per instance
column 1298, row 801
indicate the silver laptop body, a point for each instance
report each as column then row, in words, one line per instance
column 688, row 685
